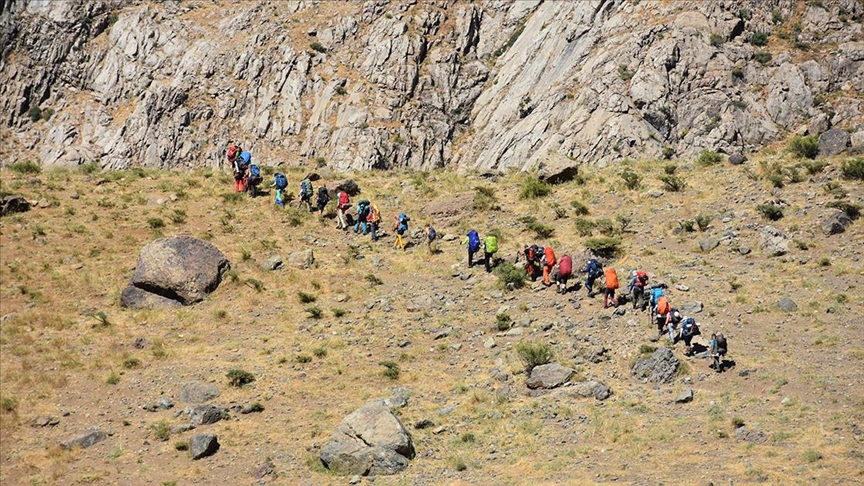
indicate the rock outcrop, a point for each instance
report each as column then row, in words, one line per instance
column 660, row 367
column 382, row 84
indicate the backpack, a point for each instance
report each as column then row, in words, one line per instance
column 306, row 188
column 280, row 181
column 363, row 208
column 343, row 200
column 491, row 244
column 536, row 252
column 641, row 278
column 232, row 152
column 721, row 344
column 432, row 233
column 611, row 279
column 529, row 254
column 246, row 157
column 550, row 256
column 656, row 293
column 473, row 241
column 663, row 305
column 595, row 269
column 374, row 215
column 254, row 171
column 689, row 328
column 403, row 219
column 565, row 266
column 323, row 195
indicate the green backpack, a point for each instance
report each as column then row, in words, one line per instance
column 491, row 244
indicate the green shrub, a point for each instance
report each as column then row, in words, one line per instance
column 484, row 198
column 232, row 197
column 759, row 38
column 762, row 57
column 579, row 208
column 687, row 225
column 337, row 312
column 605, row 226
column 319, row 352
column 625, row 73
column 804, row 146
column 24, row 167
column 776, row 16
column 113, row 378
column 9, row 404
column 770, row 211
column 47, row 113
column 503, row 322
column 853, row 169
column 391, row 370
column 314, row 312
column 510, row 275
column 255, row 407
column 603, row 246
column 851, row 209
column 708, row 157
column 533, row 354
column 34, row 113
column 303, row 358
column 317, row 47
column 532, row 188
column 161, row 430
column 812, row 456
column 181, row 446
column 155, row 223
column 255, row 284
column 672, row 183
column 510, row 41
column 670, row 169
column 631, row 179
column 90, row 168
column 306, row 298
column 130, row 363
column 539, row 229
column 717, row 40
column 584, row 226
column 178, row 216
column 814, row 167
column 668, row 152
column 239, row 378
column 646, row 350
column 702, row 221
column 372, row 279
column 341, row 91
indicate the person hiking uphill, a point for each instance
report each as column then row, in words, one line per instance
column 430, row 234
column 611, row 278
column 563, row 273
column 717, row 348
column 343, row 205
column 490, row 248
column 322, row 200
column 253, row 179
column 280, row 182
column 472, row 239
column 636, row 288
column 689, row 328
column 362, row 216
column 533, row 256
column 653, row 297
column 231, row 153
column 400, row 228
column 305, row 195
column 548, row 263
column 594, row 270
column 240, row 166
column 373, row 221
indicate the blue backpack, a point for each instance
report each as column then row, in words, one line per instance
column 656, row 293
column 473, row 241
column 403, row 221
column 306, row 188
column 280, row 181
column 245, row 158
column 432, row 233
column 595, row 269
column 254, row 171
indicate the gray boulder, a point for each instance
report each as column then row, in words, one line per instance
column 772, row 242
column 786, row 304
column 135, row 298
column 836, row 223
column 301, row 259
column 347, row 185
column 833, row 142
column 203, row 445
column 198, row 392
column 586, row 389
column 84, row 439
column 558, row 170
column 737, row 158
column 708, row 244
column 370, row 440
column 549, row 376
column 660, row 367
column 272, row 263
column 689, row 308
column 684, row 397
column 205, row 414
column 179, row 268
column 14, row 204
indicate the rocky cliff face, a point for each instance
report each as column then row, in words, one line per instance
column 386, row 84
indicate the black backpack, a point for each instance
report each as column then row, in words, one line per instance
column 323, row 195
column 720, row 342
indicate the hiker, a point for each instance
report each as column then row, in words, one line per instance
column 611, row 278
column 322, row 200
column 717, row 347
column 232, row 153
column 672, row 320
column 636, row 287
column 689, row 328
column 362, row 215
column 240, row 166
column 253, row 178
column 430, row 235
column 662, row 314
column 533, row 257
column 280, row 182
column 563, row 272
column 472, row 239
column 306, row 191
column 548, row 263
column 490, row 248
column 343, row 205
column 594, row 269
column 373, row 220
column 401, row 228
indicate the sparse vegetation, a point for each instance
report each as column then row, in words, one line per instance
column 631, row 179
column 503, row 322
column 603, row 246
column 770, row 211
column 539, row 229
column 511, row 276
column 239, row 378
column 708, row 157
column 374, row 280
column 161, row 430
column 391, row 370
column 853, row 169
column 804, row 146
column 306, row 298
column 672, row 182
column 717, row 40
column 759, row 39
column 762, row 57
column 317, row 47
column 532, row 188
column 624, row 73
column 533, row 354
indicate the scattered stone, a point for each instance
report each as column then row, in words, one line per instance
column 660, row 367
column 14, row 204
column 447, row 410
column 405, row 343
column 44, row 421
column 340, row 298
column 786, row 304
column 708, row 244
column 355, row 479
column 419, row 303
column 516, row 331
column 737, row 158
column 264, row 470
column 165, row 404
column 655, row 193
column 689, row 308
column 525, row 322
column 424, row 424
column 301, row 259
column 443, row 333
column 180, row 268
column 448, row 208
column 198, row 392
column 370, row 440
column 744, row 250
column 586, row 389
column 742, row 433
column 836, row 223
column 773, row 242
column 549, row 376
column 620, row 311
column 833, row 142
column 685, row 397
column 489, row 343
column 203, row 445
column 546, row 326
column 272, row 263
column 179, row 429
column 682, row 288
column 251, row 408
column 205, row 414
column 449, row 237
column 84, row 439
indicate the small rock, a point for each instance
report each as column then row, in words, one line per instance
column 682, row 288
column 786, row 304
column 835, row 224
column 449, row 237
column 272, row 263
column 14, row 204
column 205, row 414
column 620, row 311
column 833, row 142
column 165, row 404
column 744, row 250
column 546, row 326
column 443, row 333
column 140, row 343
column 340, row 298
column 74, row 195
column 44, row 421
column 685, row 397
column 708, row 244
column 549, row 376
column 655, row 193
column 737, row 158
column 489, row 343
column 690, row 308
column 424, row 424
column 264, row 469
column 355, row 479
column 84, row 439
column 203, row 445
column 198, row 392
column 525, row 322
column 301, row 259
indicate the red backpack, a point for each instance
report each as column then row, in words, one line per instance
column 232, row 152
column 565, row 266
column 344, row 203
column 550, row 256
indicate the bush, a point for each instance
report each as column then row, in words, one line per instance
column 631, row 179
column 155, row 223
column 47, row 113
column 717, row 40
column 603, row 246
column 539, row 229
column 34, row 113
column 340, row 90
column 24, row 167
column 303, row 358
column 306, row 298
column 317, row 47
column 687, row 225
column 130, row 363
column 708, row 157
column 532, row 188
column 762, row 57
column 702, row 221
column 804, row 146
column 668, row 152
column 372, row 279
column 391, row 370
column 533, row 354
column 625, row 73
column 584, row 226
column 814, row 167
column 510, row 41
column 161, row 430
column 503, row 322
column 255, row 284
column 511, row 276
column 579, row 208
column 9, row 404
column 484, row 198
column 851, row 209
column 90, row 168
column 670, row 169
column 605, row 226
column 239, row 378
column 853, row 169
column 181, row 445
column 770, row 211
column 337, row 312
column 759, row 38
column 319, row 352
column 314, row 312
column 672, row 183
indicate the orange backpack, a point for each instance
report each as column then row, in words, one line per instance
column 550, row 256
column 611, row 279
column 663, row 305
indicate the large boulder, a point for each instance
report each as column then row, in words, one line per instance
column 549, row 376
column 836, row 223
column 182, row 269
column 370, row 440
column 135, row 298
column 558, row 170
column 586, row 389
column 660, row 367
column 301, row 259
column 833, row 142
column 198, row 392
column 347, row 185
column 773, row 242
column 203, row 445
column 448, row 208
column 14, row 204
column 84, row 439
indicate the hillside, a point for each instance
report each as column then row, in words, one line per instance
column 381, row 84
column 71, row 358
